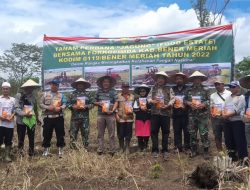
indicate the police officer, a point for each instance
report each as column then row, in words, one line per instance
column 53, row 103
column 79, row 102
column 198, row 101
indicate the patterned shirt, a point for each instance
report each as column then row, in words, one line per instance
column 21, row 100
column 102, row 95
column 168, row 96
column 203, row 94
column 7, row 106
column 81, row 113
column 122, row 101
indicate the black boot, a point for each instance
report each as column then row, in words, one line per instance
column 121, row 145
column 127, row 146
column 194, row 152
column 206, row 154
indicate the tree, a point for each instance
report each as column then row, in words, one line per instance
column 243, row 67
column 209, row 12
column 21, row 62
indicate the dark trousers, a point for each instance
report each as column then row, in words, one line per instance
column 6, row 135
column 143, row 142
column 50, row 124
column 235, row 139
column 21, row 131
column 180, row 124
column 160, row 122
column 124, row 130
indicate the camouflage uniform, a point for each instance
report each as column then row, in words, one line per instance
column 198, row 118
column 79, row 118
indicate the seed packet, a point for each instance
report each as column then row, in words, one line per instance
column 56, row 102
column 216, row 110
column 160, row 102
column 105, row 106
column 6, row 112
column 80, row 102
column 178, row 102
column 143, row 103
column 228, row 109
column 128, row 107
column 248, row 113
column 196, row 100
column 28, row 109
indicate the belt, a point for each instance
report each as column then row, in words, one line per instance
column 53, row 116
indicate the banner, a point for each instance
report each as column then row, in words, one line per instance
column 137, row 59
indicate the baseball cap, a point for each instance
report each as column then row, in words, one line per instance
column 234, row 84
column 125, row 84
column 54, row 81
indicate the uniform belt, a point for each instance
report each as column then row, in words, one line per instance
column 53, row 116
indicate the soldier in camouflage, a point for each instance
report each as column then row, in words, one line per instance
column 79, row 102
column 198, row 101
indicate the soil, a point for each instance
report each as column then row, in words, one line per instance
column 141, row 170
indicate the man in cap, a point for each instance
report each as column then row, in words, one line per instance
column 125, row 117
column 198, row 101
column 79, row 102
column 162, row 98
column 234, row 128
column 106, row 100
column 26, row 115
column 53, row 104
column 217, row 101
column 7, row 105
column 245, row 83
column 180, row 113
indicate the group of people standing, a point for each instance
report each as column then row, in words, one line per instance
column 148, row 109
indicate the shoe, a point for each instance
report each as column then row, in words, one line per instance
column 165, row 156
column 99, row 152
column 46, row 152
column 193, row 152
column 21, row 152
column 7, row 154
column 31, row 152
column 155, row 154
column 60, row 152
column 206, row 154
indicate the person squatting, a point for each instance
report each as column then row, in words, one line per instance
column 149, row 109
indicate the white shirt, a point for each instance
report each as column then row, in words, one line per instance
column 238, row 103
column 8, row 105
column 216, row 99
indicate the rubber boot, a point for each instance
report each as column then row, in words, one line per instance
column 46, row 152
column 121, row 145
column 218, row 145
column 7, row 154
column 127, row 147
column 60, row 152
column 206, row 154
column 194, row 152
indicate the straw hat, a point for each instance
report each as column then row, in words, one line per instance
column 185, row 78
column 30, row 83
column 101, row 79
column 81, row 81
column 219, row 81
column 144, row 86
column 245, row 82
column 197, row 74
column 161, row 73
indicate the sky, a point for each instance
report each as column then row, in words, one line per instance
column 26, row 21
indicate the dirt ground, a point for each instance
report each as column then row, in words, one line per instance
column 79, row 169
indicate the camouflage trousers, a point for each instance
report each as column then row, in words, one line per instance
column 83, row 125
column 198, row 123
